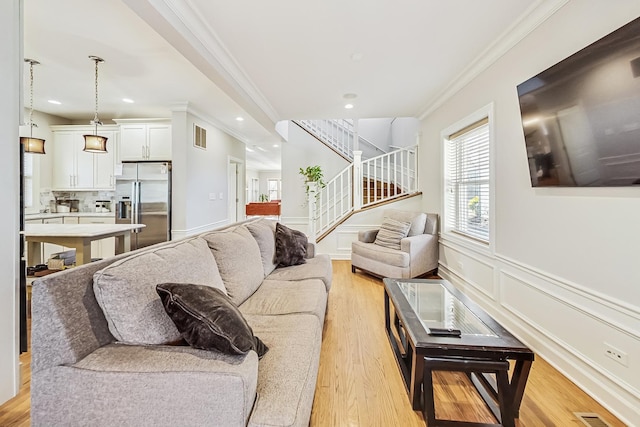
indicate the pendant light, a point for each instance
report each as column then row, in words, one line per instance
column 31, row 144
column 95, row 143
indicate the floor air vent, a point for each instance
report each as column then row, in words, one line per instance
column 591, row 420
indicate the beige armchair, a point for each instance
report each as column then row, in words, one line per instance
column 417, row 253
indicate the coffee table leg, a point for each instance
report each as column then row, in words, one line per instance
column 518, row 383
column 417, row 373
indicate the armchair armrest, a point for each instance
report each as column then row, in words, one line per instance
column 311, row 250
column 423, row 251
column 367, row 236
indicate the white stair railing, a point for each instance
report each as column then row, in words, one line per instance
column 362, row 184
column 335, row 200
column 339, row 134
column 335, row 133
column 389, row 175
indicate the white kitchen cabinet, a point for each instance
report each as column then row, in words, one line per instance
column 74, row 169
column 145, row 141
column 104, row 248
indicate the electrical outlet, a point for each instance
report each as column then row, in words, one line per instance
column 212, row 196
column 221, row 196
column 618, row 355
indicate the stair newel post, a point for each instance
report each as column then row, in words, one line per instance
column 312, row 202
column 357, row 180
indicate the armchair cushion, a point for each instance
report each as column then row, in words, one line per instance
column 391, row 232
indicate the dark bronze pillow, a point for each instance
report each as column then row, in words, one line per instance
column 207, row 319
column 291, row 246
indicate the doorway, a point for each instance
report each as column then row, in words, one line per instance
column 235, row 179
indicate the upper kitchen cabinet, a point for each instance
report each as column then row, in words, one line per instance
column 74, row 169
column 145, row 141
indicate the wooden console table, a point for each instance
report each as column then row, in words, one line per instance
column 263, row 208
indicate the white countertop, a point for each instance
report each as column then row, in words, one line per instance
column 67, row 214
column 78, row 230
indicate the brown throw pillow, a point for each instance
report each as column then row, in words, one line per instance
column 207, row 319
column 291, row 246
column 391, row 232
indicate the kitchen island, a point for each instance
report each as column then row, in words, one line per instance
column 76, row 236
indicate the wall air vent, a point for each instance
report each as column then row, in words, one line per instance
column 591, row 419
column 199, row 137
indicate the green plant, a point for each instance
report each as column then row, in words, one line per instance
column 473, row 204
column 313, row 174
column 264, row 198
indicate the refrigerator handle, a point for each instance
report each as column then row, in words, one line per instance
column 134, row 202
column 138, row 207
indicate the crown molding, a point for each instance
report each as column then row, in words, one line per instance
column 186, row 107
column 183, row 16
column 533, row 17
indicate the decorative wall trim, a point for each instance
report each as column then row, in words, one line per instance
column 530, row 20
column 594, row 296
column 179, row 234
column 477, row 259
column 190, row 109
column 582, row 310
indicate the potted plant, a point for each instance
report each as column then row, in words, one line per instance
column 313, row 174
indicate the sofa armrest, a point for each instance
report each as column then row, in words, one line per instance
column 311, row 250
column 367, row 236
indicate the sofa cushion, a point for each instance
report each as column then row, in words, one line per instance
column 239, row 261
column 318, row 267
column 391, row 232
column 264, row 233
column 207, row 319
column 276, row 297
column 125, row 290
column 288, row 372
column 418, row 220
column 291, row 246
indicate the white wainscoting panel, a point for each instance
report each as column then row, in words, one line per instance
column 563, row 322
column 476, row 269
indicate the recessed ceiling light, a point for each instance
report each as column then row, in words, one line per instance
column 357, row 56
column 348, row 106
column 53, row 101
column 275, row 145
column 349, row 96
column 128, row 100
column 260, row 148
column 249, row 150
column 240, row 119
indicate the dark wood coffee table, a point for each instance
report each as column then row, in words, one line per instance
column 419, row 307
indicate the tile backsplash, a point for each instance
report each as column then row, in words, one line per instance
column 86, row 200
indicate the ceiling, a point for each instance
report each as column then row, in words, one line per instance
column 262, row 61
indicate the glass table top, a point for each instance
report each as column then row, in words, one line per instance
column 436, row 307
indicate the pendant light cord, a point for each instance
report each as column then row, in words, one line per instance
column 96, row 120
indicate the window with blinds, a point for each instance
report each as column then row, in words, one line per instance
column 467, row 189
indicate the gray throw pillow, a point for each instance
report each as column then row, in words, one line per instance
column 207, row 319
column 391, row 232
column 291, row 246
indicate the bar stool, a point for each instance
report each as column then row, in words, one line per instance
column 504, row 413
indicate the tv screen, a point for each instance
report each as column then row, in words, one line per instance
column 581, row 117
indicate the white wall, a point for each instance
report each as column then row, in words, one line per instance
column 300, row 151
column 564, row 271
column 10, row 70
column 199, row 174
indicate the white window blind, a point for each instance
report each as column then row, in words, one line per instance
column 467, row 181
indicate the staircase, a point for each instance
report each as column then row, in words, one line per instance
column 383, row 179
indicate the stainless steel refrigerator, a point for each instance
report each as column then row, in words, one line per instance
column 143, row 193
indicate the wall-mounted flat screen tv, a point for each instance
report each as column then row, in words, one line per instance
column 581, row 117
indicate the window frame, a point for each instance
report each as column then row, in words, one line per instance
column 448, row 232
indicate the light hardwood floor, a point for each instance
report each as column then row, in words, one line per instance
column 359, row 383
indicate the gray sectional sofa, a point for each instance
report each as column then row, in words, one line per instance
column 105, row 353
